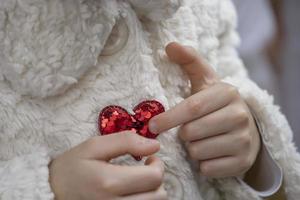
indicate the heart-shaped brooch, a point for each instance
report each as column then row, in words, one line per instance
column 113, row 119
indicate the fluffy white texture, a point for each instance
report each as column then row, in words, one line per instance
column 66, row 116
column 46, row 46
column 156, row 10
column 25, row 177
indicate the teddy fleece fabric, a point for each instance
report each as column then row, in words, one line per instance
column 54, row 82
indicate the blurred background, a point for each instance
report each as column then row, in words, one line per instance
column 270, row 48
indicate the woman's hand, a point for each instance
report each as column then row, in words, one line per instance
column 84, row 172
column 216, row 123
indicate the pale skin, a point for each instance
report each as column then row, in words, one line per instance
column 216, row 126
column 84, row 173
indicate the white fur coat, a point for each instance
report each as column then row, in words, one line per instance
column 54, row 81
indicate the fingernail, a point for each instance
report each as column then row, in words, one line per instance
column 153, row 127
column 190, row 49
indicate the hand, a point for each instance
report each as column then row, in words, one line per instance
column 216, row 124
column 84, row 172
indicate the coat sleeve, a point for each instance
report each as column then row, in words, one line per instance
column 25, row 178
column 275, row 130
column 155, row 10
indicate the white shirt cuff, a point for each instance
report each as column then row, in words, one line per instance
column 268, row 174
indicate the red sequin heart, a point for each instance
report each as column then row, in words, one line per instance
column 113, row 119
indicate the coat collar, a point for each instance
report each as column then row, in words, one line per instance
column 155, row 10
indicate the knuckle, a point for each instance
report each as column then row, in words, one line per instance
column 193, row 151
column 157, row 176
column 245, row 140
column 232, row 91
column 95, row 182
column 130, row 138
column 241, row 116
column 92, row 142
column 194, row 106
column 205, row 169
column 130, row 141
column 107, row 184
column 185, row 133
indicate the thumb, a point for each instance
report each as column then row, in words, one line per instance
column 111, row 146
column 200, row 74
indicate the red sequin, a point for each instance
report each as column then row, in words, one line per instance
column 113, row 119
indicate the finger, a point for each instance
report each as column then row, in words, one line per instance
column 159, row 194
column 193, row 107
column 216, row 123
column 114, row 145
column 223, row 167
column 127, row 180
column 199, row 72
column 215, row 147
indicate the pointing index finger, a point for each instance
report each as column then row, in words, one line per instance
column 194, row 107
column 199, row 72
